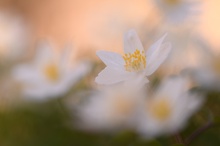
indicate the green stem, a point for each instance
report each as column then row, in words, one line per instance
column 200, row 130
column 179, row 139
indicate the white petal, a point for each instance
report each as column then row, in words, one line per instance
column 44, row 53
column 111, row 59
column 138, row 81
column 66, row 55
column 36, row 93
column 153, row 48
column 195, row 101
column 96, row 114
column 132, row 42
column 26, row 74
column 76, row 74
column 112, row 76
column 157, row 58
column 43, row 91
column 173, row 87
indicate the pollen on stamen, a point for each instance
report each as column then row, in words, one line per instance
column 135, row 62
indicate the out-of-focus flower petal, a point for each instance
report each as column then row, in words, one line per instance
column 44, row 53
column 168, row 110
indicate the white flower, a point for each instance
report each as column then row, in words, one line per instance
column 135, row 63
column 208, row 74
column 110, row 109
column 13, row 36
column 176, row 11
column 184, row 46
column 168, row 109
column 50, row 74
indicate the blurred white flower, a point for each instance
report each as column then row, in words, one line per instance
column 168, row 109
column 135, row 63
column 13, row 36
column 176, row 11
column 50, row 74
column 208, row 74
column 183, row 47
column 110, row 109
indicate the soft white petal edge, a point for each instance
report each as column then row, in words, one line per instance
column 173, row 87
column 44, row 52
column 112, row 76
column 155, row 46
column 132, row 42
column 111, row 59
column 157, row 58
column 66, row 55
column 24, row 73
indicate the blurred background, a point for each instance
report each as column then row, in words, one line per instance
column 90, row 26
column 98, row 24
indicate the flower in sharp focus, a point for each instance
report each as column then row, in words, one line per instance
column 135, row 63
column 13, row 36
column 177, row 11
column 168, row 109
column 111, row 109
column 50, row 74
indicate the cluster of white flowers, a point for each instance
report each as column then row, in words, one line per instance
column 126, row 102
column 126, row 99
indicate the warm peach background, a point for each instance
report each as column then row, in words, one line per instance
column 95, row 24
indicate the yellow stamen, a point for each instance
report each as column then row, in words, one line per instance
column 51, row 71
column 160, row 110
column 135, row 62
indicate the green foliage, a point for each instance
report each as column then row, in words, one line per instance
column 51, row 124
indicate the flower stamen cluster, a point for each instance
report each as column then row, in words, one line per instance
column 135, row 62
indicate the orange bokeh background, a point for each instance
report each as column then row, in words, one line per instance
column 98, row 24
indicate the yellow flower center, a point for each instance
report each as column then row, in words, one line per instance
column 172, row 2
column 160, row 110
column 135, row 62
column 51, row 71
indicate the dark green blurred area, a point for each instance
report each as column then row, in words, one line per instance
column 51, row 124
